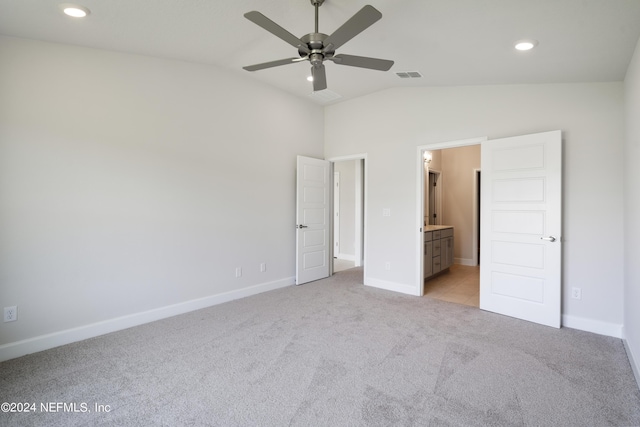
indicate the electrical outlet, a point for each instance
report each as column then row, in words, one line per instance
column 238, row 271
column 576, row 293
column 263, row 267
column 387, row 266
column 10, row 314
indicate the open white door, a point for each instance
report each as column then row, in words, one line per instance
column 521, row 220
column 312, row 219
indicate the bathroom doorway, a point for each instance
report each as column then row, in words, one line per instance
column 451, row 198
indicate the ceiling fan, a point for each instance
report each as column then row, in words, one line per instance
column 317, row 47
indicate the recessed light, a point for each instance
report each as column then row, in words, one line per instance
column 74, row 10
column 526, row 44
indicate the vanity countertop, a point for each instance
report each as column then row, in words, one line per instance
column 428, row 228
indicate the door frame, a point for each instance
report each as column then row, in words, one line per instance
column 477, row 173
column 360, row 211
column 419, row 284
column 438, row 193
column 336, row 213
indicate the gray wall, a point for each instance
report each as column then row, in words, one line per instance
column 130, row 185
column 458, row 193
column 632, row 212
column 389, row 126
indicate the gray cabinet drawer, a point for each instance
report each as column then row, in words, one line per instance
column 428, row 236
column 436, row 234
column 447, row 232
column 436, row 264
column 436, row 247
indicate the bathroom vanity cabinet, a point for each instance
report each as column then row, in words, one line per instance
column 438, row 249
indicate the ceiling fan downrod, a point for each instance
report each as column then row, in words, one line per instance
column 317, row 4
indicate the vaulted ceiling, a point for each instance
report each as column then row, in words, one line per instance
column 449, row 42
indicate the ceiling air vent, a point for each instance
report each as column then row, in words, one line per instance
column 408, row 74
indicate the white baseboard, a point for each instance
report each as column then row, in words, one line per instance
column 45, row 342
column 391, row 286
column 346, row 257
column 464, row 261
column 595, row 326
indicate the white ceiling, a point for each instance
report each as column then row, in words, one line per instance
column 451, row 42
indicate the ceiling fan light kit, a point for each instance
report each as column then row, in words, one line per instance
column 317, row 47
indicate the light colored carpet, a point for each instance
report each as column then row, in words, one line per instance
column 331, row 353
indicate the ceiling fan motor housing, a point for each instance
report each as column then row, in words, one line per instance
column 315, row 43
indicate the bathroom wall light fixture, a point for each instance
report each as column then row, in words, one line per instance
column 427, row 157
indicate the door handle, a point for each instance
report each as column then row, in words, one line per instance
column 549, row 239
column 302, row 226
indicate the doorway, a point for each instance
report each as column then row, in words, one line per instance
column 348, row 212
column 521, row 227
column 429, row 157
column 450, row 190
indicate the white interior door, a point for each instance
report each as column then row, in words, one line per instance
column 521, row 235
column 312, row 219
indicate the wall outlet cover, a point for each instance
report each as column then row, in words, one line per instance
column 11, row 314
column 576, row 293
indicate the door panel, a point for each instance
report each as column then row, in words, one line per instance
column 518, row 222
column 520, row 272
column 312, row 219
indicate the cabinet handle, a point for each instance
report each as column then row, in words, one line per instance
column 549, row 239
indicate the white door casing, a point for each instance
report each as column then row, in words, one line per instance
column 336, row 214
column 521, row 227
column 312, row 219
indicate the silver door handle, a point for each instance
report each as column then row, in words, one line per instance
column 549, row 239
column 302, row 226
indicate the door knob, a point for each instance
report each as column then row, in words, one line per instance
column 302, row 226
column 549, row 239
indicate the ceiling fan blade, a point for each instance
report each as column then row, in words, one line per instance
column 354, row 26
column 275, row 29
column 319, row 77
column 277, row 63
column 362, row 62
